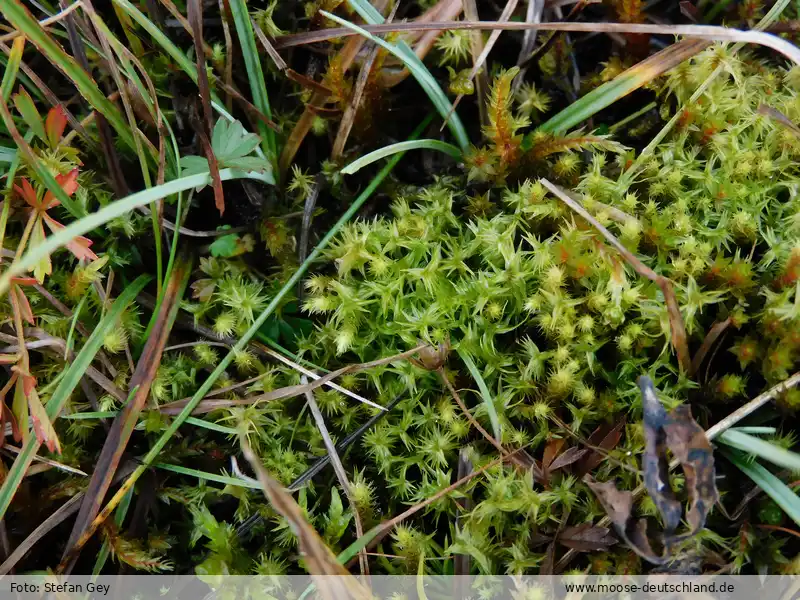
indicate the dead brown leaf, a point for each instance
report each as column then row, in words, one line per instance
column 604, row 437
column 587, row 538
column 687, row 441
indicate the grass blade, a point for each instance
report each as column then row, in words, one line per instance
column 622, row 85
column 485, row 395
column 370, row 158
column 772, row 486
column 114, row 210
column 756, row 430
column 252, row 62
column 205, row 475
column 420, row 72
column 70, row 381
column 22, row 20
column 763, row 449
column 12, row 67
column 205, row 128
column 240, row 345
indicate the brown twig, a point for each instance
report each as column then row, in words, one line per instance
column 122, row 429
column 349, row 116
column 470, row 8
column 318, row 557
column 270, row 49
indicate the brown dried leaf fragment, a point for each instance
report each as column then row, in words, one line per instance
column 619, row 506
column 604, row 438
column 587, row 538
column 688, row 442
column 680, row 433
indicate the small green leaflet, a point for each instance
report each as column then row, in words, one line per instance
column 231, row 245
column 232, row 147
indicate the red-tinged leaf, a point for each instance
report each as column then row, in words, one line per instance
column 680, row 433
column 68, row 183
column 27, row 380
column 54, row 125
column 689, row 444
column 8, row 359
column 566, row 458
column 24, row 280
column 551, row 450
column 22, row 303
column 28, row 193
column 587, row 538
column 30, row 115
column 42, row 427
column 78, row 245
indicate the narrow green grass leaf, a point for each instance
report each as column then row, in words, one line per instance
column 119, row 518
column 485, row 395
column 7, row 155
column 772, row 486
column 366, row 11
column 74, row 323
column 24, row 22
column 761, row 448
column 623, row 84
column 65, row 388
column 98, row 414
column 12, row 171
column 114, row 210
column 226, row 479
column 420, row 72
column 370, row 158
column 755, row 430
column 252, row 62
column 23, row 79
column 12, row 67
column 210, row 425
